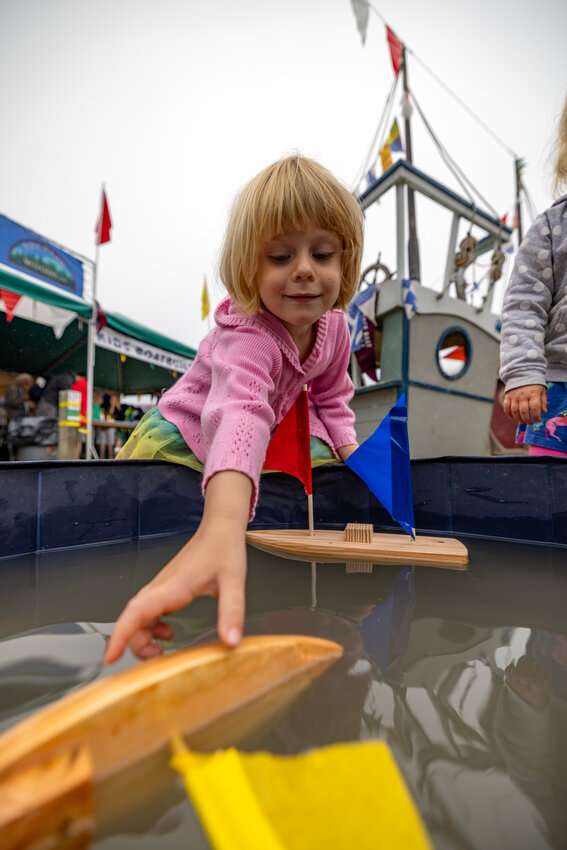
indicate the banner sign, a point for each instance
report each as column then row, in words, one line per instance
column 114, row 341
column 26, row 251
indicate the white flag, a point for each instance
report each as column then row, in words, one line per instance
column 360, row 9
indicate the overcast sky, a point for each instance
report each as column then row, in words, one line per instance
column 175, row 104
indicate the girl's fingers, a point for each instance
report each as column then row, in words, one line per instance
column 139, row 623
column 150, row 650
column 231, row 608
column 163, row 631
column 140, row 614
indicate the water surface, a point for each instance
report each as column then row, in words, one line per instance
column 464, row 674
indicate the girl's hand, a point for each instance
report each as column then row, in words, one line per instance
column 346, row 451
column 526, row 404
column 212, row 563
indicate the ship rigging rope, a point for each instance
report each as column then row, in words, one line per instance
column 452, row 165
column 449, row 91
column 379, row 132
column 461, row 103
column 532, row 212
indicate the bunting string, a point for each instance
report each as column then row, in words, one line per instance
column 378, row 135
column 459, row 174
column 449, row 91
column 463, row 105
column 531, row 207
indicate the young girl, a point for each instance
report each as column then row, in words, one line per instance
column 291, row 264
column 533, row 351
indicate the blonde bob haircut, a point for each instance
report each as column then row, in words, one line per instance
column 288, row 197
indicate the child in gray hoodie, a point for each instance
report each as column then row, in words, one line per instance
column 533, row 349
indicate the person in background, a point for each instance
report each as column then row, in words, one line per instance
column 48, row 404
column 16, row 401
column 122, row 413
column 533, row 349
column 291, row 265
column 106, row 437
column 80, row 386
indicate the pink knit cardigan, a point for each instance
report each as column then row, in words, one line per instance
column 245, row 378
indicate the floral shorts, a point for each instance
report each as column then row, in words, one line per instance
column 551, row 432
column 154, row 438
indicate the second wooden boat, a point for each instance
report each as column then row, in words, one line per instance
column 333, row 546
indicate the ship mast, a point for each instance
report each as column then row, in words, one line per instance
column 413, row 244
column 517, row 168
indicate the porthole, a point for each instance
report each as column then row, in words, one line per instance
column 453, row 353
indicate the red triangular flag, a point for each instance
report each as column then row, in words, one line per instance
column 101, row 320
column 104, row 223
column 458, row 353
column 289, row 449
column 395, row 49
column 10, row 299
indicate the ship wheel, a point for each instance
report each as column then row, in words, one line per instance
column 376, row 268
column 370, row 277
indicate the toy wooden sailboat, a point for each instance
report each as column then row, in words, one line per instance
column 383, row 462
column 50, row 762
column 334, row 546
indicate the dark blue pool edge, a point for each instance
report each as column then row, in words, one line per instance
column 47, row 505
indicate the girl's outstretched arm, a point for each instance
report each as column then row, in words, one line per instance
column 212, row 563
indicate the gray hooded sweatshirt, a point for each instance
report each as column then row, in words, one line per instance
column 533, row 348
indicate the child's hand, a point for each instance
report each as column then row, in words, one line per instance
column 526, row 404
column 345, row 451
column 212, row 563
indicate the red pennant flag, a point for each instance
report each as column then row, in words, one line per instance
column 101, row 320
column 289, row 449
column 395, row 50
column 104, row 223
column 458, row 353
column 10, row 299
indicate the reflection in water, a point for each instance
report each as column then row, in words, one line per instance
column 463, row 674
column 38, row 666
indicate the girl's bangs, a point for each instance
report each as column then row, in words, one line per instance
column 291, row 206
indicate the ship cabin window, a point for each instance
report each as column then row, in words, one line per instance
column 453, row 353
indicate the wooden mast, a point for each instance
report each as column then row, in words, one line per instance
column 518, row 222
column 413, row 245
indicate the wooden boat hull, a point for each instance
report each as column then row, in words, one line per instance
column 213, row 695
column 331, row 546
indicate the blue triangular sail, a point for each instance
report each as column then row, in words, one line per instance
column 383, row 463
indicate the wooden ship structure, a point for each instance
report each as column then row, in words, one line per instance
column 438, row 346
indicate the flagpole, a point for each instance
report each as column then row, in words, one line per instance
column 89, row 449
column 309, row 495
column 310, row 513
column 517, row 168
column 413, row 245
column 102, row 231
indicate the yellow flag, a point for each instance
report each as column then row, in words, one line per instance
column 341, row 796
column 205, row 300
column 386, row 157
